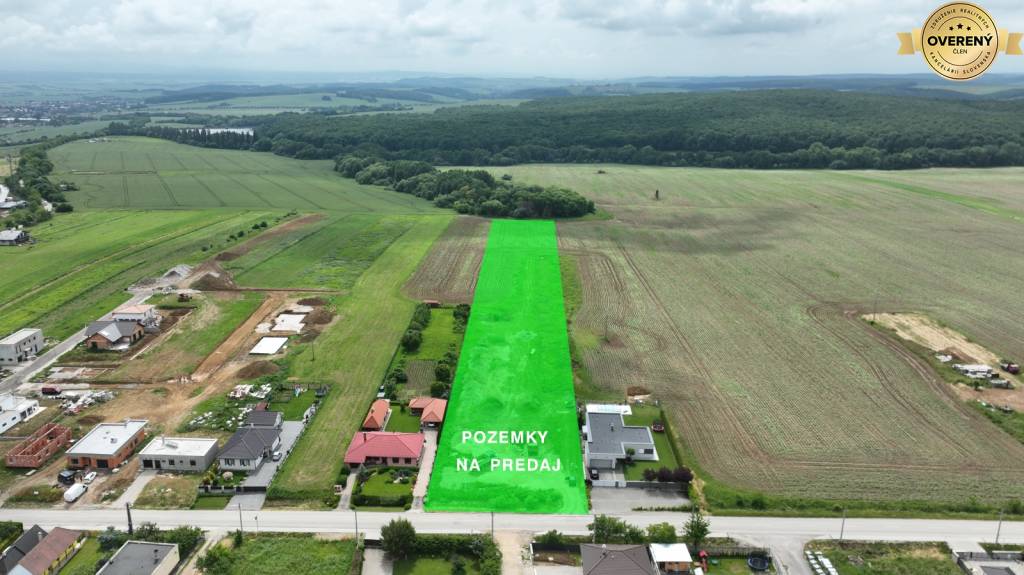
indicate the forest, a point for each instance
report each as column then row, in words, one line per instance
column 466, row 191
column 760, row 129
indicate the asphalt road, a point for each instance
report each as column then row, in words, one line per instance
column 746, row 528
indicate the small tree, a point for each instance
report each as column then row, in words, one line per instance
column 237, row 538
column 696, row 529
column 661, row 533
column 630, row 452
column 438, row 389
column 398, row 538
column 411, row 340
column 443, row 372
column 217, row 560
column 650, row 474
column 607, row 529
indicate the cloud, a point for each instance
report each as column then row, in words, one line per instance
column 704, row 17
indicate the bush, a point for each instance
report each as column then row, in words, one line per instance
column 552, row 537
column 438, row 389
column 665, row 475
column 411, row 340
column 650, row 474
column 682, row 475
column 422, row 314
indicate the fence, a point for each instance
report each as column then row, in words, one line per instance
column 660, row 486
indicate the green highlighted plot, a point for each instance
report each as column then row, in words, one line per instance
column 510, row 441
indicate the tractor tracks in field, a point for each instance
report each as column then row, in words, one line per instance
column 729, row 418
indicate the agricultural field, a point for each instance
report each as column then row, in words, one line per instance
column 20, row 134
column 736, row 298
column 145, row 173
column 448, row 273
column 329, row 256
column 373, row 315
column 82, row 262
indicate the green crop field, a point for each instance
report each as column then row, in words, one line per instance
column 17, row 134
column 736, row 298
column 145, row 173
column 374, row 315
column 82, row 262
column 328, row 256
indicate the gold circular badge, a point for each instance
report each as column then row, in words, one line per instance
column 959, row 41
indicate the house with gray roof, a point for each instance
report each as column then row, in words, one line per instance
column 111, row 334
column 248, row 447
column 617, row 560
column 263, row 418
column 608, row 438
column 20, row 548
column 142, row 558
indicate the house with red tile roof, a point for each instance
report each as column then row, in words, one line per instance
column 430, row 409
column 378, row 415
column 385, row 448
column 50, row 554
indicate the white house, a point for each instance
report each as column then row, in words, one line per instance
column 20, row 345
column 141, row 313
column 188, row 454
column 14, row 409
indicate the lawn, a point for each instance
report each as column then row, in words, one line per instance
column 375, row 316
column 403, row 420
column 646, row 415
column 130, row 172
column 169, row 492
column 888, row 558
column 211, row 502
column 382, row 484
column 428, row 566
column 84, row 562
column 438, row 336
column 295, row 554
column 293, row 407
column 732, row 566
column 82, row 262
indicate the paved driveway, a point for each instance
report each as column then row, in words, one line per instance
column 375, row 562
column 419, row 491
column 290, row 431
column 625, row 500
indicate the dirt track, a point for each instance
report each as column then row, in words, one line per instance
column 234, row 343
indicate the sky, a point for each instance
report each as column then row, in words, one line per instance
column 585, row 39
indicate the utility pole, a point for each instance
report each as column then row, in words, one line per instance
column 356, row 512
column 128, row 509
column 240, row 518
column 492, row 526
column 257, row 518
column 999, row 529
column 842, row 529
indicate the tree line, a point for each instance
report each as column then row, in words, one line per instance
column 466, row 191
column 30, row 182
column 763, row 129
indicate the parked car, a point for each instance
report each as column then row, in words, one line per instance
column 74, row 492
column 89, row 478
column 276, row 456
column 66, row 477
column 594, row 474
column 658, row 427
column 50, row 390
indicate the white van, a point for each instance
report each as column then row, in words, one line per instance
column 74, row 492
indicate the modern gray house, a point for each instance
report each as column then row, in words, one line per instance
column 607, row 437
column 248, row 447
column 186, row 454
column 142, row 558
column 260, row 418
column 20, row 345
